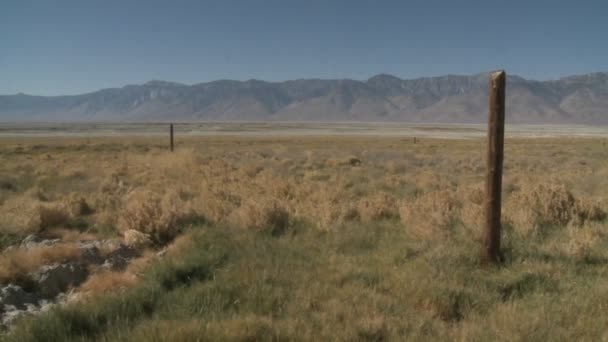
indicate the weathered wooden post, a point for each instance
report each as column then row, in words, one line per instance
column 171, row 136
column 496, row 130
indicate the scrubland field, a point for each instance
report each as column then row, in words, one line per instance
column 311, row 238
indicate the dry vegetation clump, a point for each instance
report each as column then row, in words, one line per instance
column 345, row 161
column 76, row 205
column 534, row 210
column 18, row 262
column 136, row 239
column 587, row 210
column 316, row 176
column 113, row 185
column 52, row 215
column 582, row 240
column 105, row 218
column 364, row 266
column 261, row 215
column 328, row 208
column 377, row 207
column 251, row 169
column 26, row 214
column 472, row 211
column 431, row 215
column 159, row 216
column 20, row 214
column 281, row 189
column 395, row 167
column 181, row 244
column 430, row 181
column 213, row 207
column 70, row 235
column 108, row 281
column 372, row 328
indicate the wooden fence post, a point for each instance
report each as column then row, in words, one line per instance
column 171, row 136
column 496, row 129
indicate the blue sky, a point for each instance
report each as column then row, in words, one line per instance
column 76, row 46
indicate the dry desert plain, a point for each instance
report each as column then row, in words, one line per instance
column 299, row 232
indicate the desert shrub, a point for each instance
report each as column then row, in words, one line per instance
column 213, row 208
column 106, row 218
column 115, row 184
column 109, row 281
column 372, row 328
column 136, row 239
column 17, row 263
column 76, row 205
column 68, row 210
column 582, row 240
column 586, row 210
column 281, row 189
column 261, row 215
column 8, row 184
column 431, row 215
column 430, row 181
column 449, row 305
column 26, row 214
column 328, row 208
column 379, row 206
column 344, row 161
column 316, row 176
column 251, row 169
column 393, row 167
column 533, row 210
column 159, row 216
column 20, row 215
column 472, row 211
column 52, row 215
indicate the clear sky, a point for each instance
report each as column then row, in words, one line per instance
column 51, row 47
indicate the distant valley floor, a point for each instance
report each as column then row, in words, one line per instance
column 449, row 131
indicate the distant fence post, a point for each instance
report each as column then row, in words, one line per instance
column 171, row 136
column 496, row 129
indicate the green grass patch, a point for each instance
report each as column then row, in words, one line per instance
column 361, row 282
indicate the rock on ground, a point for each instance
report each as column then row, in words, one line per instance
column 136, row 239
column 15, row 296
column 54, row 279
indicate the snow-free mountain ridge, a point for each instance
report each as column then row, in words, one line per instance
column 580, row 99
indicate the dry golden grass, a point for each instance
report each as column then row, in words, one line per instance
column 181, row 244
column 377, row 207
column 27, row 214
column 108, row 282
column 540, row 207
column 261, row 214
column 431, row 215
column 432, row 186
column 161, row 217
column 17, row 263
column 385, row 233
column 20, row 214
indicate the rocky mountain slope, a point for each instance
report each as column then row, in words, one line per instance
column 579, row 99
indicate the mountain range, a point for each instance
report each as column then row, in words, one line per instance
column 581, row 99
